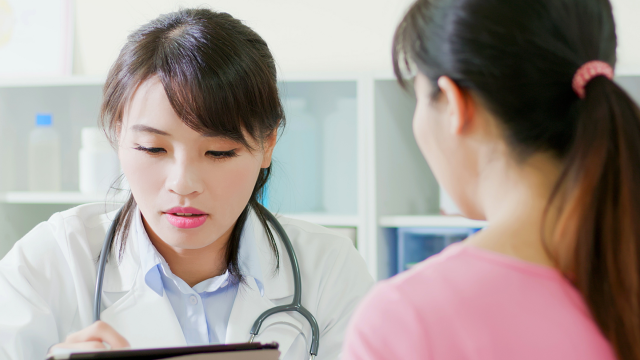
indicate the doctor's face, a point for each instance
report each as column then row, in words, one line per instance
column 190, row 187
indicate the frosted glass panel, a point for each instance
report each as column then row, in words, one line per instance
column 315, row 160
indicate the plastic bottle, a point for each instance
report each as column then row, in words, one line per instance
column 340, row 152
column 7, row 157
column 296, row 185
column 44, row 156
column 98, row 162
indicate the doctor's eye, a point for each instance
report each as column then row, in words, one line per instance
column 222, row 154
column 152, row 151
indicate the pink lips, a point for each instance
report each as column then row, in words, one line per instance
column 195, row 219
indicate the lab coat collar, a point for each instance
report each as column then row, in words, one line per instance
column 152, row 262
column 280, row 327
column 121, row 271
column 140, row 310
column 249, row 304
column 277, row 284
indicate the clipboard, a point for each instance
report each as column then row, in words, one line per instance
column 243, row 351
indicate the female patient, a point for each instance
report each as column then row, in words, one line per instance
column 192, row 106
column 520, row 121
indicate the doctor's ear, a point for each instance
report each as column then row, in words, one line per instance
column 118, row 134
column 460, row 105
column 269, row 143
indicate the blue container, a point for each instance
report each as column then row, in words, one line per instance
column 417, row 244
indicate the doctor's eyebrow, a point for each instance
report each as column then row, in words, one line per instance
column 149, row 129
column 152, row 130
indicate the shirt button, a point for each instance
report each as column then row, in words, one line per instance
column 193, row 299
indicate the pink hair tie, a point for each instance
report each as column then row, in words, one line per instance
column 587, row 72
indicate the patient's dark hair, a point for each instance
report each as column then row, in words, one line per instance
column 220, row 78
column 519, row 58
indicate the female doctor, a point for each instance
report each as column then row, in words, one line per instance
column 192, row 105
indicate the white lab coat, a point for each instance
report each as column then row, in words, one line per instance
column 47, row 284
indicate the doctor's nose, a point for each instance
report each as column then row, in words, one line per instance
column 183, row 179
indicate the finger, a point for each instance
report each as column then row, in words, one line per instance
column 99, row 331
column 89, row 345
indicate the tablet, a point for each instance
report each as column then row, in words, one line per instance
column 244, row 351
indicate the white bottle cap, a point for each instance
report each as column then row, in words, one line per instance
column 93, row 138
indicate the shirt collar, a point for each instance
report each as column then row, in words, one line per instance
column 150, row 258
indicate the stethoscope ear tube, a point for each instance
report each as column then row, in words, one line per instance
column 102, row 264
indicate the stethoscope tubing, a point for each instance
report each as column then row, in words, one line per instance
column 102, row 264
column 296, row 303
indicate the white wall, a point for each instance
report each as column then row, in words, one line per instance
column 304, row 35
column 627, row 15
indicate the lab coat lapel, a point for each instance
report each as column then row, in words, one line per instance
column 281, row 328
column 250, row 303
column 143, row 317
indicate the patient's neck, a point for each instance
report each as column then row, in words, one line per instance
column 514, row 196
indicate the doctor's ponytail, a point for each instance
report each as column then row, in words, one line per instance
column 219, row 77
column 520, row 58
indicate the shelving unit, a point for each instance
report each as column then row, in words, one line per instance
column 430, row 221
column 394, row 187
column 65, row 197
column 52, row 81
column 327, row 219
column 627, row 71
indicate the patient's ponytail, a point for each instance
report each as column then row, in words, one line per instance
column 520, row 59
column 601, row 214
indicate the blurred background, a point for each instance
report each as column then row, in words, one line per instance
column 347, row 159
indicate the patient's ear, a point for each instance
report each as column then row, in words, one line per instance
column 460, row 105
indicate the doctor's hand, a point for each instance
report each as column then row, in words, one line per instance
column 94, row 337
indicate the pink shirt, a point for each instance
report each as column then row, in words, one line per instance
column 468, row 303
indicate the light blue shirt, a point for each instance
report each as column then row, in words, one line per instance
column 203, row 311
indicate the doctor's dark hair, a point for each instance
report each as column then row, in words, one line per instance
column 220, row 79
column 519, row 58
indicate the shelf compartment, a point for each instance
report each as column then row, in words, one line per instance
column 414, row 245
column 430, row 221
column 324, row 219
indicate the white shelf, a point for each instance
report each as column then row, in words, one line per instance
column 27, row 197
column 385, row 75
column 627, row 71
column 57, row 81
column 284, row 77
column 52, row 81
column 325, row 219
column 319, row 76
column 430, row 221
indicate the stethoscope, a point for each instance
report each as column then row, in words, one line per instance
column 296, row 303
